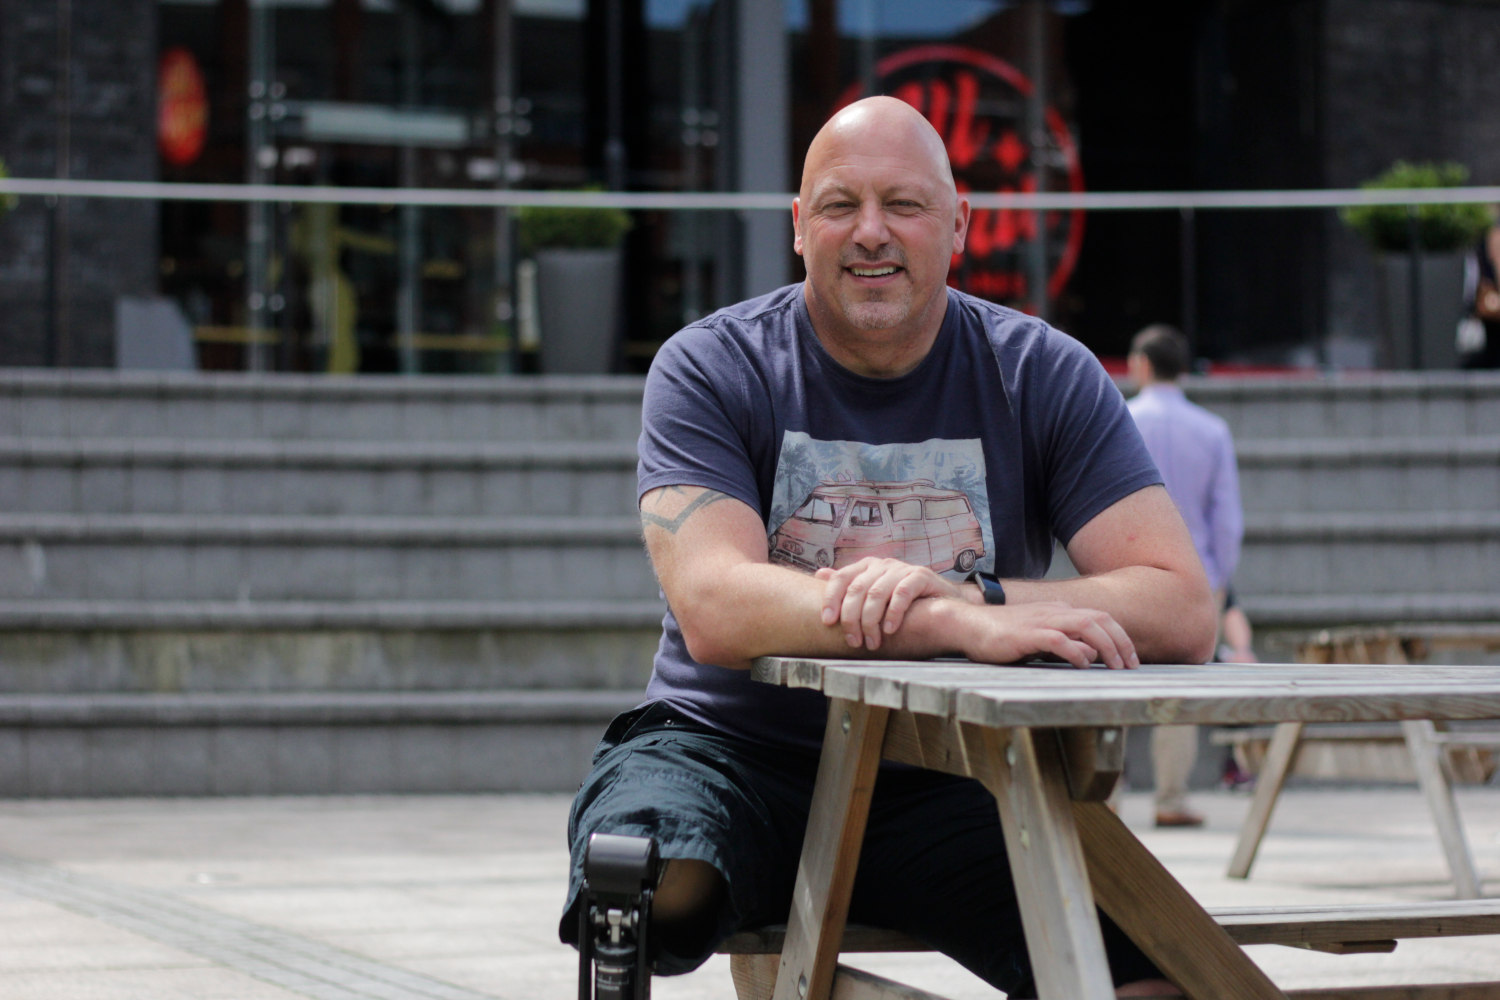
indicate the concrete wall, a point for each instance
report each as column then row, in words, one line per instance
column 78, row 89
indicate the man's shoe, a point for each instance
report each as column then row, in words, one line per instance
column 1178, row 819
column 1235, row 778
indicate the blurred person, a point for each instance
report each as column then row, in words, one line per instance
column 1236, row 635
column 1236, row 645
column 1194, row 452
column 1481, row 347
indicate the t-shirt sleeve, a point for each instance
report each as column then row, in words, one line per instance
column 1093, row 455
column 695, row 419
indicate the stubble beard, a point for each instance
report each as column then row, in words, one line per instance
column 879, row 309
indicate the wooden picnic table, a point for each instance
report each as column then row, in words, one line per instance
column 1428, row 743
column 1048, row 743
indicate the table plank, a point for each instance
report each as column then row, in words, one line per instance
column 933, row 687
column 1227, row 705
column 1161, row 916
column 830, row 853
column 1046, row 862
column 1273, row 773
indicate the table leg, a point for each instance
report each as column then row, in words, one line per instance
column 1162, row 917
column 1273, row 771
column 830, row 852
column 1426, row 758
column 1029, row 781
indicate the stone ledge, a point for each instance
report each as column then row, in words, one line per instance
column 1321, row 611
column 1352, row 450
column 304, row 529
column 34, row 382
column 59, row 615
column 317, row 453
column 301, row 708
column 1418, row 526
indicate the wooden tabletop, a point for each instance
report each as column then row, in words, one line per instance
column 1045, row 695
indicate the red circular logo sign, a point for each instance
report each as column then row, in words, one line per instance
column 977, row 103
column 181, row 107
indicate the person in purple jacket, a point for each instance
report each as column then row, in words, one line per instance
column 1194, row 451
column 871, row 464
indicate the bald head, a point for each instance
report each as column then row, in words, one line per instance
column 885, row 126
column 877, row 222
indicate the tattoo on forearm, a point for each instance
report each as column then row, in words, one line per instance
column 673, row 524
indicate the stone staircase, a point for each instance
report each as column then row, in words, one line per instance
column 256, row 585
column 273, row 585
column 1369, row 499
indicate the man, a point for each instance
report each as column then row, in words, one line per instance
column 872, row 424
column 1195, row 453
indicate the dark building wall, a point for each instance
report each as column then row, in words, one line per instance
column 79, row 94
column 1416, row 80
column 1133, row 83
column 1257, row 121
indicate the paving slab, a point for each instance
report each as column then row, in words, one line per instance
column 457, row 897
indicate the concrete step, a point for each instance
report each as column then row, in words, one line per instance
column 302, row 743
column 219, row 558
column 1373, row 405
column 1375, row 553
column 116, row 475
column 1305, row 613
column 1330, row 475
column 206, row 647
column 91, row 404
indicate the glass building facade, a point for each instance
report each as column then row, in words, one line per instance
column 678, row 97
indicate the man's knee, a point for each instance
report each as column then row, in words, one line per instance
column 688, row 888
column 685, row 910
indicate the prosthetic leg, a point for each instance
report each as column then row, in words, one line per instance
column 619, row 877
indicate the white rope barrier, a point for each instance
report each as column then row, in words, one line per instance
column 727, row 201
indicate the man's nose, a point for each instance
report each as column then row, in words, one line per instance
column 870, row 229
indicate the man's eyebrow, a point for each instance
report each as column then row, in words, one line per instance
column 898, row 192
column 829, row 189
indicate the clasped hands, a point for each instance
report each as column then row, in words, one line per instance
column 870, row 600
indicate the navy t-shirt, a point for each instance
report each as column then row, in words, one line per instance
column 1008, row 434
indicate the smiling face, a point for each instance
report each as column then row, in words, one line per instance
column 877, row 222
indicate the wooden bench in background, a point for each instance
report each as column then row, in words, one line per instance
column 1438, row 756
column 1345, row 930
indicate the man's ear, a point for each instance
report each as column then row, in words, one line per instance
column 961, row 225
column 797, row 226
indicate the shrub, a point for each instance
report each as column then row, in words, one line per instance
column 1439, row 227
column 543, row 227
column 7, row 200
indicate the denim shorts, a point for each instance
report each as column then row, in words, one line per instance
column 742, row 807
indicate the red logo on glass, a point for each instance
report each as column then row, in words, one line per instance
column 977, row 103
column 182, row 107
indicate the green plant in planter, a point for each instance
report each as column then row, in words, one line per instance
column 7, row 201
column 554, row 227
column 1440, row 228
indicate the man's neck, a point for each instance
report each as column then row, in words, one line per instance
column 1154, row 383
column 878, row 353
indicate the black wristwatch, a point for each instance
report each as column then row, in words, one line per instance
column 989, row 586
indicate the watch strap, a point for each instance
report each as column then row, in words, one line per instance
column 989, row 585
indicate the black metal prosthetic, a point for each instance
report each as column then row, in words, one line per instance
column 619, row 877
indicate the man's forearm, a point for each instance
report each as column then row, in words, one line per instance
column 778, row 611
column 1168, row 615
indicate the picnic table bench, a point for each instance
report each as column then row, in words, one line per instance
column 1363, row 928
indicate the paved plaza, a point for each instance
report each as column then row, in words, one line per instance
column 457, row 897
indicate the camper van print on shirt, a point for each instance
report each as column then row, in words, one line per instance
column 836, row 502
